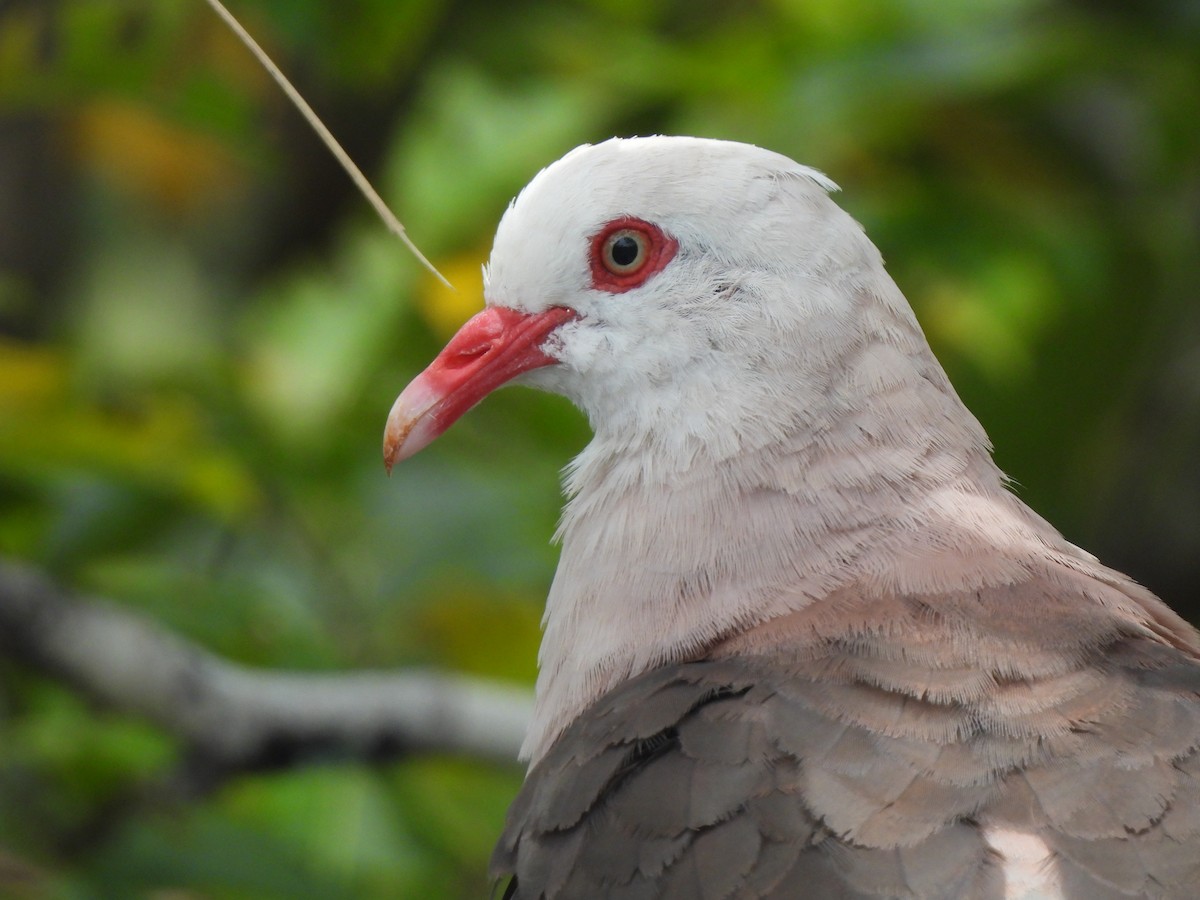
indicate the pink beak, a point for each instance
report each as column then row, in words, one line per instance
column 492, row 348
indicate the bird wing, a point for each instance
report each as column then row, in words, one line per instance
column 880, row 762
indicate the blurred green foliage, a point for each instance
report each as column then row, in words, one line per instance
column 202, row 329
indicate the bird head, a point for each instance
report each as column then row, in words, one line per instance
column 694, row 282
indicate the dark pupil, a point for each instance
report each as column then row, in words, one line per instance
column 624, row 251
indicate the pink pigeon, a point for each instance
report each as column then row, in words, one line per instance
column 802, row 640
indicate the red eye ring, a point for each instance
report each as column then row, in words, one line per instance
column 626, row 252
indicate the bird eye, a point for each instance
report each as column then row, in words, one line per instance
column 626, row 252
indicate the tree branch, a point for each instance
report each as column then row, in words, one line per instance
column 238, row 718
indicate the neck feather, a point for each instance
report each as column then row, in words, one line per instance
column 663, row 559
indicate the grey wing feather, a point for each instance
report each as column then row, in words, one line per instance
column 803, row 775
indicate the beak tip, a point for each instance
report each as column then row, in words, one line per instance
column 391, row 453
column 400, row 424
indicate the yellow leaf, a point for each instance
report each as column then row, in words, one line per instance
column 178, row 169
column 30, row 376
column 445, row 309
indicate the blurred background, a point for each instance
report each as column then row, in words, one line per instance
column 202, row 328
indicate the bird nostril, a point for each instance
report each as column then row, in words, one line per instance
column 469, row 355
